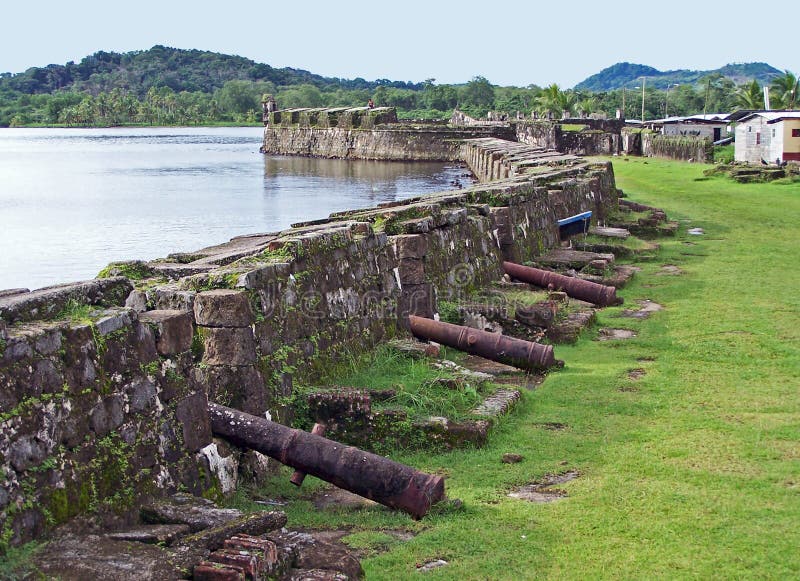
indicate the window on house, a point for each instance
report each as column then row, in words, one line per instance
column 773, row 132
column 758, row 138
column 795, row 132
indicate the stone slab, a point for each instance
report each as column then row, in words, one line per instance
column 173, row 330
column 223, row 308
column 50, row 301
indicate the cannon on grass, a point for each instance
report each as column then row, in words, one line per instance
column 517, row 352
column 385, row 481
column 577, row 288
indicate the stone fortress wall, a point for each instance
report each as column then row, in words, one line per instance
column 104, row 384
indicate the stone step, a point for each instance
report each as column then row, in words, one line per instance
column 607, row 232
column 498, row 404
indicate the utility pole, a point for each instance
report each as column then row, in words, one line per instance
column 644, row 80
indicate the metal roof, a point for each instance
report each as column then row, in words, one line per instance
column 773, row 116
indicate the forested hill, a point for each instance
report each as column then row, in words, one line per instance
column 615, row 76
column 161, row 66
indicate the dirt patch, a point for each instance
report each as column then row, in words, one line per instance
column 542, row 491
column 555, row 426
column 615, row 334
column 628, row 389
column 340, row 499
column 646, row 308
column 669, row 270
column 646, row 359
column 636, row 374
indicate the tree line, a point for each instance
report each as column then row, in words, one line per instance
column 238, row 101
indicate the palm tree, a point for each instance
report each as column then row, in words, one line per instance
column 784, row 90
column 750, row 96
column 555, row 101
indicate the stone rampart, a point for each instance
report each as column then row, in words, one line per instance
column 103, row 385
column 574, row 136
column 364, row 133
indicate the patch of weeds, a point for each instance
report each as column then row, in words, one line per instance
column 16, row 561
column 449, row 313
column 423, row 390
column 76, row 312
column 132, row 269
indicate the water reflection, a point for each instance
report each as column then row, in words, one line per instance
column 72, row 200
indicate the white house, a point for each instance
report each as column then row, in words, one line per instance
column 771, row 136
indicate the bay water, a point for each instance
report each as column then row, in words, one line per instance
column 73, row 200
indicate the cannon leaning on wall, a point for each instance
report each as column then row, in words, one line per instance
column 369, row 475
column 577, row 288
column 494, row 346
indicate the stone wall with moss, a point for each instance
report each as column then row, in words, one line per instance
column 575, row 136
column 363, row 133
column 96, row 410
column 104, row 384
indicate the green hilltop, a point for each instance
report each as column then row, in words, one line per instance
column 615, row 76
column 161, row 66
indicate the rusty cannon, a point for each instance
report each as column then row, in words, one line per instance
column 577, row 288
column 494, row 346
column 369, row 475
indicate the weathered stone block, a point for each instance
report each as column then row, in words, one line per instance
column 192, row 413
column 173, row 330
column 411, row 245
column 243, row 559
column 223, row 308
column 538, row 315
column 210, row 571
column 168, row 298
column 137, row 301
column 417, row 299
column 141, row 395
column 412, row 271
column 27, row 452
column 229, row 346
column 242, row 388
column 48, row 302
column 107, row 415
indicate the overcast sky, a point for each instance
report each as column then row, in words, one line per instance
column 508, row 42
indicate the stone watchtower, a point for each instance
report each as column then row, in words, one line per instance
column 268, row 105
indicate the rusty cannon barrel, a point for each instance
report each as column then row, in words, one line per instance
column 577, row 288
column 494, row 346
column 369, row 475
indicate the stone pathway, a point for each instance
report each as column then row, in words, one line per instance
column 646, row 308
column 615, row 334
column 542, row 491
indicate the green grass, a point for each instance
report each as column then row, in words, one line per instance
column 692, row 471
column 417, row 384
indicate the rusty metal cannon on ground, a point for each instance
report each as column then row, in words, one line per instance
column 369, row 475
column 577, row 288
column 494, row 346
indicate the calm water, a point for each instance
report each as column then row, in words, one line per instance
column 73, row 200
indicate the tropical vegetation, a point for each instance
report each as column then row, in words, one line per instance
column 168, row 86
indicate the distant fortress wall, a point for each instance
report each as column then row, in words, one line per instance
column 364, row 133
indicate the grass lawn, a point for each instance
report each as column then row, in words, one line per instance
column 690, row 471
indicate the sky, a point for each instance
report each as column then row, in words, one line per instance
column 508, row 42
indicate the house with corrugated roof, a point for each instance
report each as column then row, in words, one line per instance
column 768, row 137
column 715, row 126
